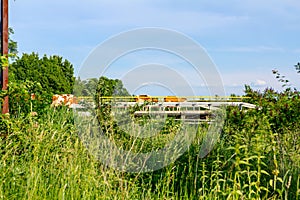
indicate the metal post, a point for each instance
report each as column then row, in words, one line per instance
column 4, row 50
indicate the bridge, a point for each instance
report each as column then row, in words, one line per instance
column 187, row 108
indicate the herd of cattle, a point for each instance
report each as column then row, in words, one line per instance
column 70, row 100
column 63, row 99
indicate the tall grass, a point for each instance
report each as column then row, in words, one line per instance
column 43, row 157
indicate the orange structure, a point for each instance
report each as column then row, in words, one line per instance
column 174, row 99
column 144, row 97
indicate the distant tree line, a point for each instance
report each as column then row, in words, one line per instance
column 102, row 87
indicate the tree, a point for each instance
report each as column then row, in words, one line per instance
column 107, row 88
column 12, row 45
column 55, row 75
column 297, row 67
column 110, row 87
column 78, row 87
column 12, row 49
column 282, row 78
column 119, row 89
column 86, row 87
column 281, row 108
column 90, row 86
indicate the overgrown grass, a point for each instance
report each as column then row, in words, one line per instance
column 43, row 158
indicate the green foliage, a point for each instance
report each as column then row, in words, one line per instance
column 21, row 101
column 43, row 158
column 256, row 157
column 12, row 45
column 282, row 79
column 282, row 108
column 85, row 87
column 53, row 73
column 109, row 87
column 272, row 133
column 297, row 67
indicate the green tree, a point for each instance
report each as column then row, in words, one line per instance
column 12, row 45
column 12, row 49
column 297, row 67
column 85, row 87
column 78, row 87
column 110, row 87
column 55, row 75
column 282, row 79
column 90, row 86
column 281, row 108
column 106, row 88
column 119, row 89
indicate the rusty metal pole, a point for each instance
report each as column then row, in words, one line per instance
column 4, row 50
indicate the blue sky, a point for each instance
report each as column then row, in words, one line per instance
column 245, row 39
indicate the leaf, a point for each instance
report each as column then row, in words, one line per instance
column 244, row 162
column 280, row 179
column 271, row 182
column 265, row 172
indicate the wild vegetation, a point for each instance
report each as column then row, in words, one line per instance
column 42, row 156
column 54, row 74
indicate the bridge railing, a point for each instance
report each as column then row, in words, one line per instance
column 162, row 98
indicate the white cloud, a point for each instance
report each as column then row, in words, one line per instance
column 259, row 83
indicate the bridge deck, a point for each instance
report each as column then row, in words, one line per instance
column 206, row 105
column 173, row 113
column 192, row 111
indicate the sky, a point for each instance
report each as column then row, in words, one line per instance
column 244, row 39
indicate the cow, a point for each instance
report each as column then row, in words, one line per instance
column 32, row 96
column 63, row 99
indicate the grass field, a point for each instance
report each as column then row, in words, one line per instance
column 43, row 157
